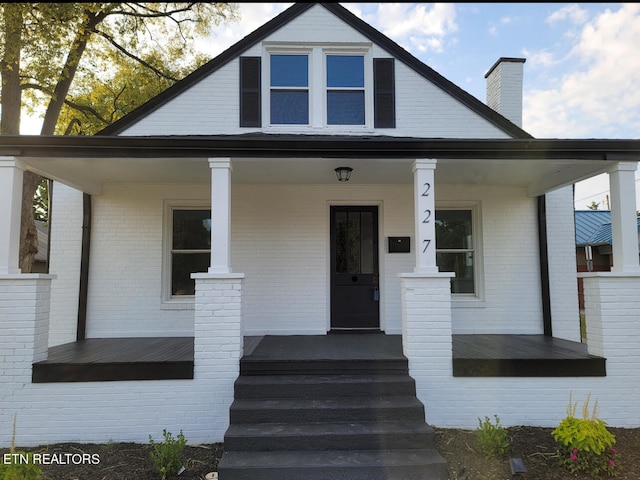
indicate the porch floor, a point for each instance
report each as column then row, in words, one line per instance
column 523, row 356
column 110, row 359
column 158, row 358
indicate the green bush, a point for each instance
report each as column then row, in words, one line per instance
column 585, row 444
column 166, row 456
column 21, row 465
column 491, row 439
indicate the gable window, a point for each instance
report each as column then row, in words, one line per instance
column 190, row 248
column 321, row 86
column 345, row 90
column 455, row 248
column 289, row 82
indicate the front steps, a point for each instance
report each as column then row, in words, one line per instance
column 360, row 421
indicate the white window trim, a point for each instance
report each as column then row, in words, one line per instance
column 317, row 86
column 472, row 300
column 168, row 301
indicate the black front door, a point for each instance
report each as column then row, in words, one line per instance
column 355, row 295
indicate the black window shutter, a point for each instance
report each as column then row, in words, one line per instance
column 250, row 101
column 384, row 102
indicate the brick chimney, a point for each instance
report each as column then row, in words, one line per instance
column 504, row 88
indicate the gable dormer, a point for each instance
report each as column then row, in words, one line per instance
column 320, row 86
column 316, row 69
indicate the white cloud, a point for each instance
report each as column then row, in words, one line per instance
column 602, row 89
column 417, row 27
column 573, row 13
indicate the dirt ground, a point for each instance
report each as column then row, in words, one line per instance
column 534, row 446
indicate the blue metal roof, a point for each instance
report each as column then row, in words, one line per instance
column 589, row 222
column 593, row 227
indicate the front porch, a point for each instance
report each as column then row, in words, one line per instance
column 165, row 358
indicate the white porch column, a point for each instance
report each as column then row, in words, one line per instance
column 10, row 207
column 220, row 215
column 624, row 228
column 425, row 212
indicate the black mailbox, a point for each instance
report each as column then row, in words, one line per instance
column 399, row 244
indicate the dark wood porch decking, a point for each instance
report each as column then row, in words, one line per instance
column 523, row 356
column 111, row 359
column 164, row 358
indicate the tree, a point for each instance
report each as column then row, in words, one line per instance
column 66, row 55
column 593, row 206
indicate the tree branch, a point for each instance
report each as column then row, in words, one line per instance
column 134, row 57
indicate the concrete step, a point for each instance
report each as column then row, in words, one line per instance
column 256, row 366
column 314, row 386
column 270, row 437
column 335, row 409
column 349, row 465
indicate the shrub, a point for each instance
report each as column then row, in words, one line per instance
column 585, row 444
column 21, row 466
column 166, row 456
column 491, row 439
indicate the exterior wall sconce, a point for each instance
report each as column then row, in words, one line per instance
column 343, row 173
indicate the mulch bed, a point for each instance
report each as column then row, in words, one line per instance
column 534, row 446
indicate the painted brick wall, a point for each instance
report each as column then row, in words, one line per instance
column 510, row 273
column 612, row 313
column 66, row 246
column 563, row 283
column 280, row 240
column 127, row 259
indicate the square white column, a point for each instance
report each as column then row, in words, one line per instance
column 220, row 215
column 624, row 227
column 425, row 215
column 10, row 211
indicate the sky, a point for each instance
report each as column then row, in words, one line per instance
column 582, row 69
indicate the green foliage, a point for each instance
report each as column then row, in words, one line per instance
column 166, row 456
column 21, row 466
column 585, row 444
column 491, row 439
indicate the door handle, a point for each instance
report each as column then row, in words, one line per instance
column 376, row 294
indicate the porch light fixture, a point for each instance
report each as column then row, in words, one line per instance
column 343, row 173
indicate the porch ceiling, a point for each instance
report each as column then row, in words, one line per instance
column 87, row 163
column 90, row 174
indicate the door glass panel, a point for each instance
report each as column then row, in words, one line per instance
column 341, row 242
column 354, row 242
column 366, row 242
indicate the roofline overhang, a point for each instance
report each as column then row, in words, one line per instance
column 313, row 146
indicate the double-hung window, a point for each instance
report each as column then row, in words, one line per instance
column 190, row 248
column 345, row 90
column 319, row 86
column 455, row 248
column 289, row 89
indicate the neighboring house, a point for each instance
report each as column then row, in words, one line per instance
column 594, row 252
column 594, row 240
column 455, row 232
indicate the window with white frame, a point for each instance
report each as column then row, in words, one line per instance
column 289, row 89
column 455, row 248
column 189, row 237
column 319, row 86
column 345, row 90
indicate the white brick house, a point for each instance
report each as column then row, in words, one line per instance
column 242, row 156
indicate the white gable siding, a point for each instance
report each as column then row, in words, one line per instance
column 212, row 105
